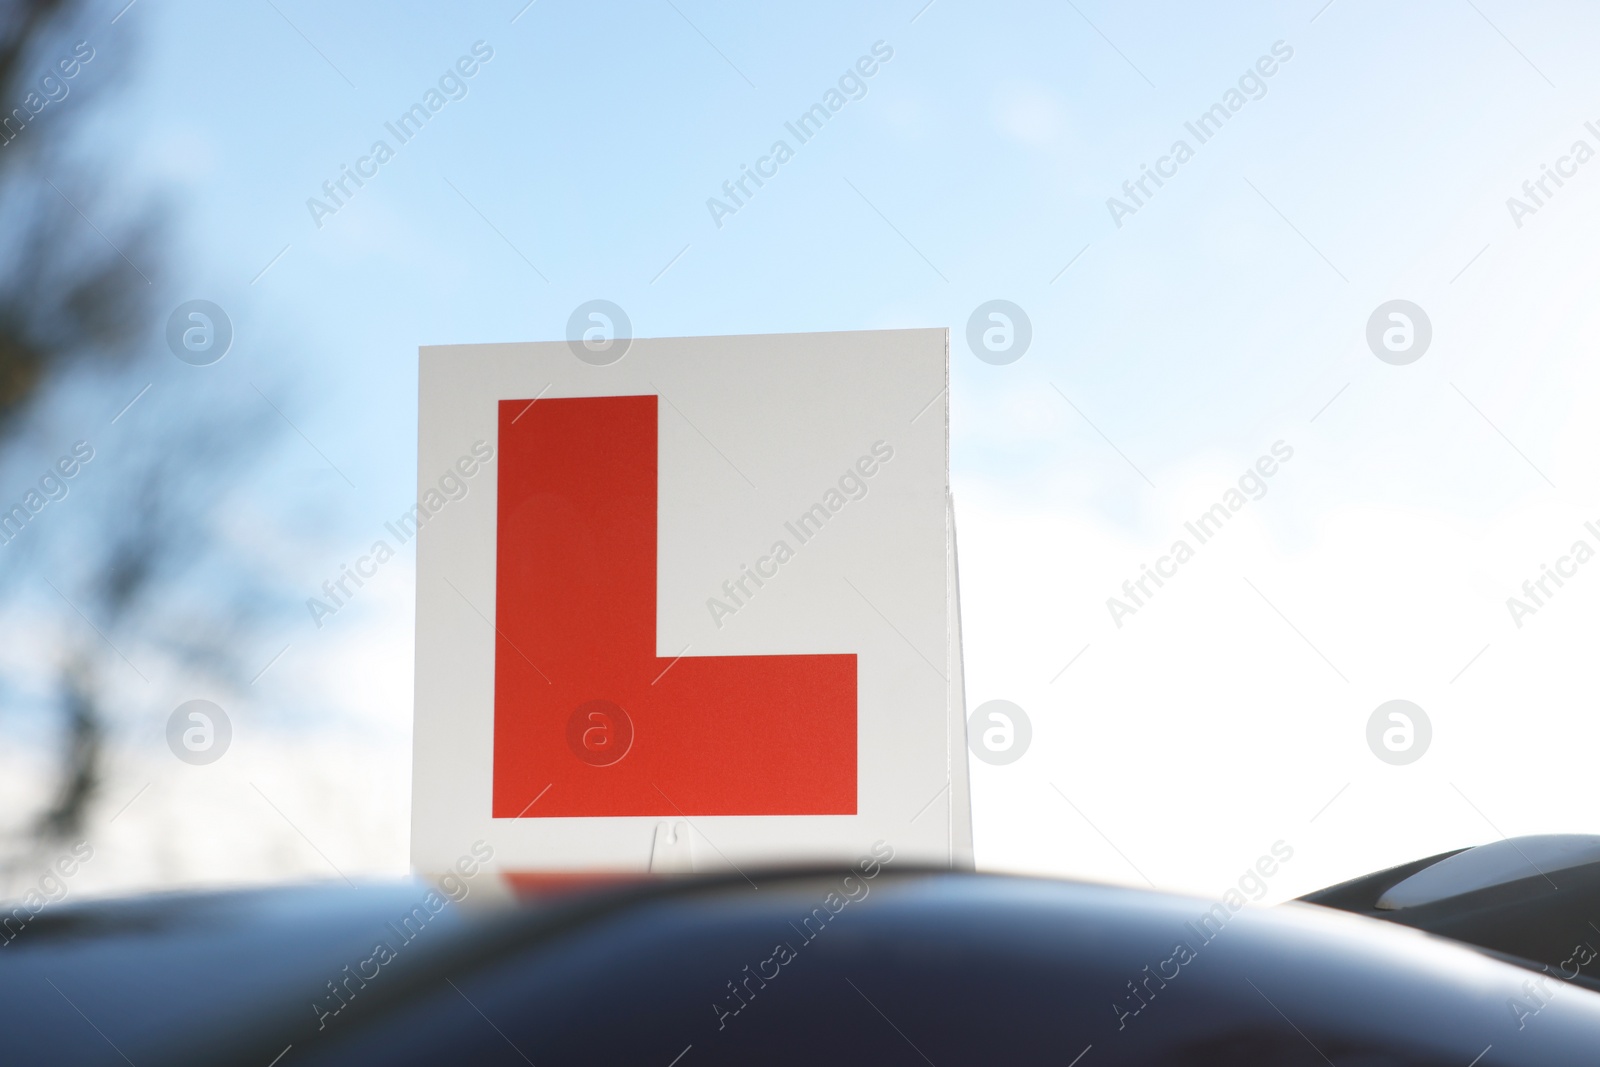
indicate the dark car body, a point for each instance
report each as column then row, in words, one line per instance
column 802, row 967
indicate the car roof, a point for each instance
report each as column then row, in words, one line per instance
column 966, row 962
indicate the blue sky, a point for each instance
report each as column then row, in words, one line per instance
column 1221, row 317
column 990, row 142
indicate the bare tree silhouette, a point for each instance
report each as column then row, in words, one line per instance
column 77, row 314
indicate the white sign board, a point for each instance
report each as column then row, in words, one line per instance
column 687, row 604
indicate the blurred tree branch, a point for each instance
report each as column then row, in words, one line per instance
column 75, row 313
